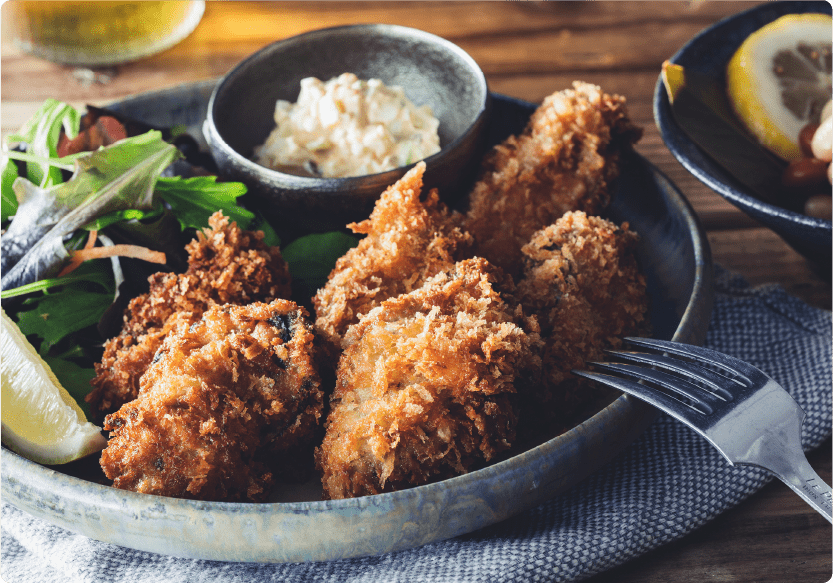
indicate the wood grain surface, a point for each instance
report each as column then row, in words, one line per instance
column 527, row 50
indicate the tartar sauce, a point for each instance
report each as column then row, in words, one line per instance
column 348, row 127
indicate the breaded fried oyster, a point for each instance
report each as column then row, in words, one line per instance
column 566, row 159
column 582, row 281
column 222, row 400
column 425, row 385
column 225, row 265
column 407, row 242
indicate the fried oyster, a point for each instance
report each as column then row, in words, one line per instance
column 225, row 265
column 566, row 159
column 407, row 242
column 582, row 282
column 224, row 399
column 425, row 385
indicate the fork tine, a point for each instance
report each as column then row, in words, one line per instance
column 703, row 401
column 674, row 407
column 716, row 382
column 731, row 365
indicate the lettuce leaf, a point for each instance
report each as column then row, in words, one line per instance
column 311, row 258
column 117, row 177
column 7, row 196
column 270, row 236
column 125, row 215
column 41, row 134
column 100, row 277
column 74, row 378
column 60, row 314
column 195, row 199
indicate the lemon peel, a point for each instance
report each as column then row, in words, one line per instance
column 40, row 420
column 778, row 79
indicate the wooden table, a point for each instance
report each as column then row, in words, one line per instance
column 527, row 50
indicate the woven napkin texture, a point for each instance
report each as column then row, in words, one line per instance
column 668, row 483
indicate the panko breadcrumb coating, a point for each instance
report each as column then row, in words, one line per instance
column 582, row 281
column 225, row 265
column 224, row 398
column 425, row 385
column 566, row 159
column 407, row 242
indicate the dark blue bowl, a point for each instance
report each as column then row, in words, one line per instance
column 708, row 53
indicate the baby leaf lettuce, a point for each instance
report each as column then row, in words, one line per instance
column 41, row 134
column 45, row 284
column 58, row 315
column 71, row 304
column 117, row 177
column 74, row 378
column 311, row 259
column 191, row 200
column 8, row 204
column 270, row 236
column 195, row 199
column 117, row 190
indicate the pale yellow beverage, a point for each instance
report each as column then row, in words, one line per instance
column 100, row 32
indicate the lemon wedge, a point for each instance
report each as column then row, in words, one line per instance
column 779, row 79
column 40, row 420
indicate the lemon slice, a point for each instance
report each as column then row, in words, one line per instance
column 779, row 79
column 40, row 420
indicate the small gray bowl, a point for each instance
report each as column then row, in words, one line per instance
column 431, row 71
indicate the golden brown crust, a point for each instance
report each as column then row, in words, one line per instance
column 566, row 159
column 225, row 265
column 407, row 242
column 582, row 281
column 222, row 399
column 425, row 385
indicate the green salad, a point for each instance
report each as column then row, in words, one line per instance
column 78, row 228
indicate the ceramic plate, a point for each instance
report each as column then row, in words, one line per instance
column 675, row 258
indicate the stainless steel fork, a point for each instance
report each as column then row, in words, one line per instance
column 740, row 410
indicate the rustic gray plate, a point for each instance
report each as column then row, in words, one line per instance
column 675, row 257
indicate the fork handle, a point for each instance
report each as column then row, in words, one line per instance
column 804, row 481
column 784, row 457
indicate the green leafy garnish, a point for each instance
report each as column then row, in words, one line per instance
column 195, row 199
column 311, row 258
column 41, row 134
column 113, row 178
column 117, row 190
column 124, row 215
column 270, row 236
column 64, row 163
column 8, row 208
column 58, row 315
column 100, row 277
column 74, row 378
